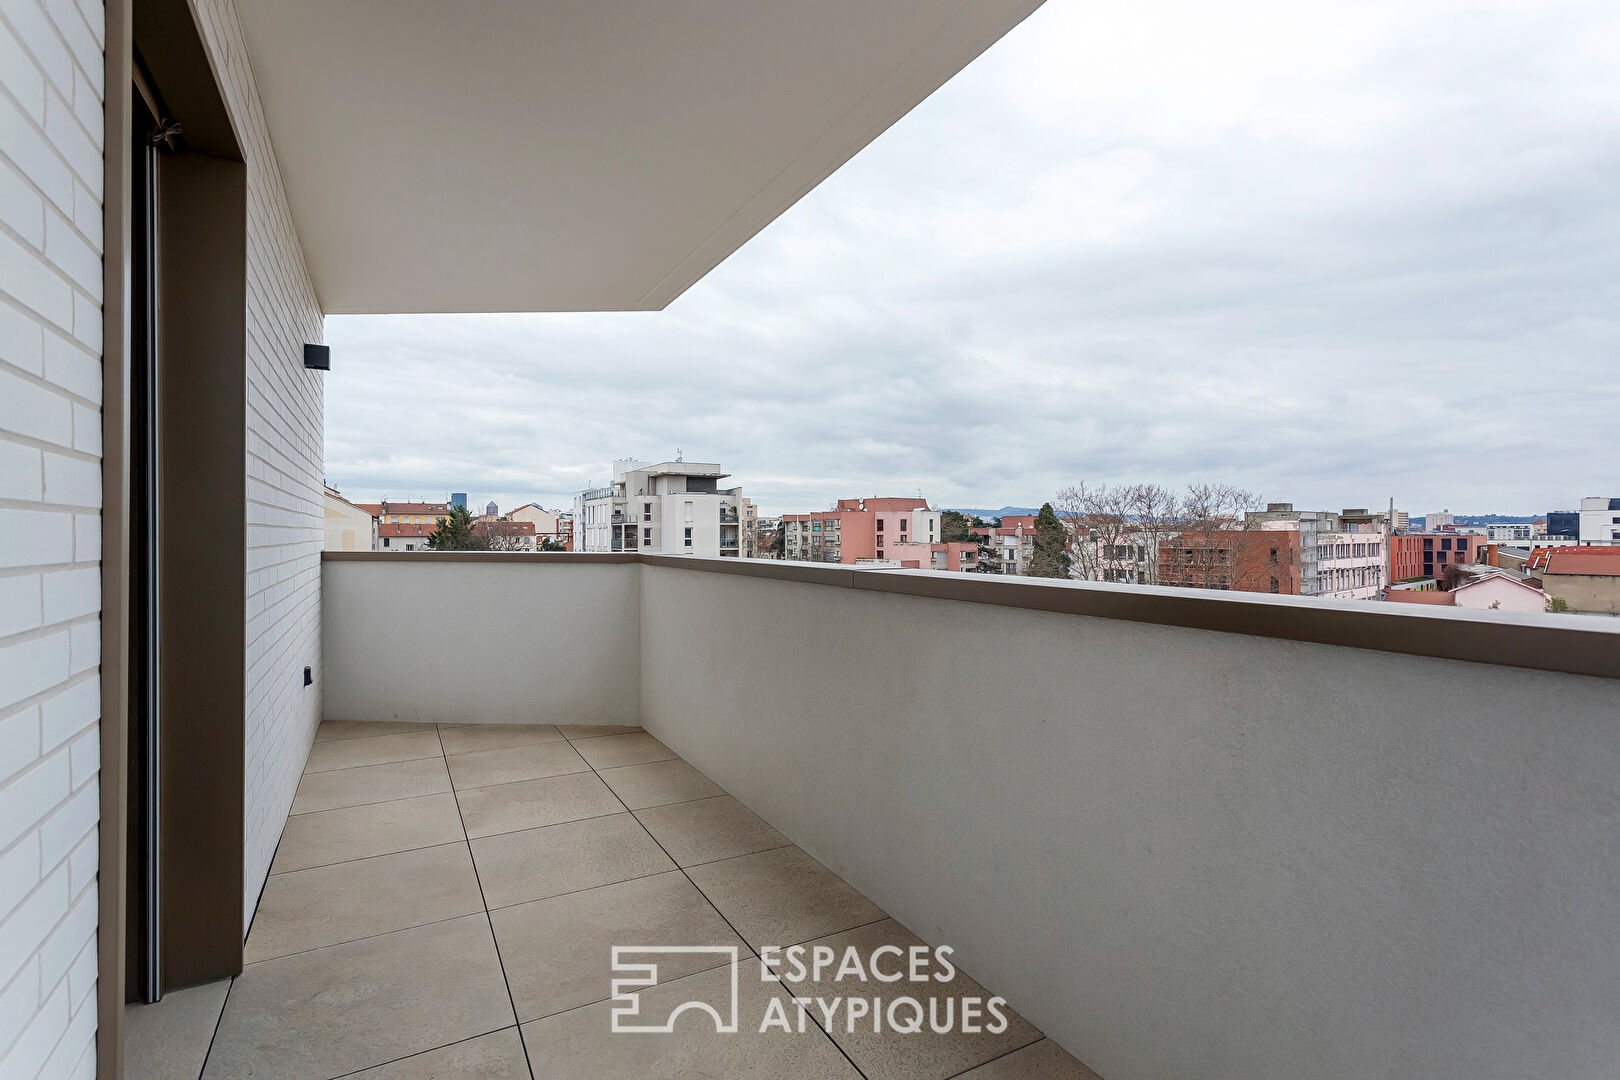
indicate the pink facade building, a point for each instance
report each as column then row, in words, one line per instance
column 857, row 529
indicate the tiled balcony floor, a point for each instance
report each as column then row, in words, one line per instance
column 443, row 902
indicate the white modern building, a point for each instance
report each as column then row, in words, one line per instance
column 672, row 508
column 1351, row 562
column 1600, row 520
column 1510, row 532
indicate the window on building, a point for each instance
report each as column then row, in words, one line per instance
column 688, row 537
column 1276, row 586
column 646, row 511
column 1273, row 559
column 646, row 536
column 1428, row 544
column 880, row 525
column 903, row 523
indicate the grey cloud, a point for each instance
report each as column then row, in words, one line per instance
column 1372, row 253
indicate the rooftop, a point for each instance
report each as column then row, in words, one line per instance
column 1586, row 564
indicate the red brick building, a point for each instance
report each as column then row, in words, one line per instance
column 1426, row 555
column 1263, row 560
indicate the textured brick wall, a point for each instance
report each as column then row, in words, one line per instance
column 285, row 512
column 51, row 137
column 50, row 531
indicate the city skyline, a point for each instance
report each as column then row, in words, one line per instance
column 1170, row 245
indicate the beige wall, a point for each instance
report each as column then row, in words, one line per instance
column 1183, row 854
column 348, row 528
column 487, row 647
column 1585, row 592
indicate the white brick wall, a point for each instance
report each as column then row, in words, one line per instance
column 51, row 140
column 50, row 531
column 285, row 521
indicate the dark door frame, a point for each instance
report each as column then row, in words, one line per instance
column 200, row 624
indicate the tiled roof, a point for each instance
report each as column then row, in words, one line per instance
column 1588, row 563
column 1539, row 557
column 407, row 507
column 393, row 529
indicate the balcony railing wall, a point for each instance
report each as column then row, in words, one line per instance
column 1181, row 852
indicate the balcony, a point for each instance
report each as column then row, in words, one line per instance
column 1308, row 838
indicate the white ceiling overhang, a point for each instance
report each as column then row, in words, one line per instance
column 575, row 155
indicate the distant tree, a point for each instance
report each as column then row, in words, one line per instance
column 454, row 532
column 773, row 548
column 549, row 544
column 1050, row 558
column 954, row 528
column 502, row 535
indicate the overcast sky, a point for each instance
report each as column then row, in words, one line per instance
column 1330, row 252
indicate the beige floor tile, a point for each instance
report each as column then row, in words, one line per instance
column 592, row 731
column 170, row 1038
column 1045, row 1060
column 308, row 909
column 536, row 863
column 464, row 738
column 496, row 1056
column 358, row 832
column 557, row 952
column 363, row 729
column 375, row 750
column 348, row 1007
column 482, row 768
column 709, row 829
column 581, row 1046
column 897, row 1055
column 658, row 783
column 782, row 897
column 370, row 783
column 530, row 804
column 611, row 751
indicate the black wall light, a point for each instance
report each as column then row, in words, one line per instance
column 318, row 357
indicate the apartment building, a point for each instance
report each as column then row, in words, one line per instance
column 348, row 527
column 1342, row 555
column 1264, row 557
column 1012, row 544
column 548, row 524
column 1512, row 531
column 1413, row 556
column 672, row 508
column 856, row 529
column 749, row 533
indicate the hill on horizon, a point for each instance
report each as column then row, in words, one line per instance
column 1003, row 512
